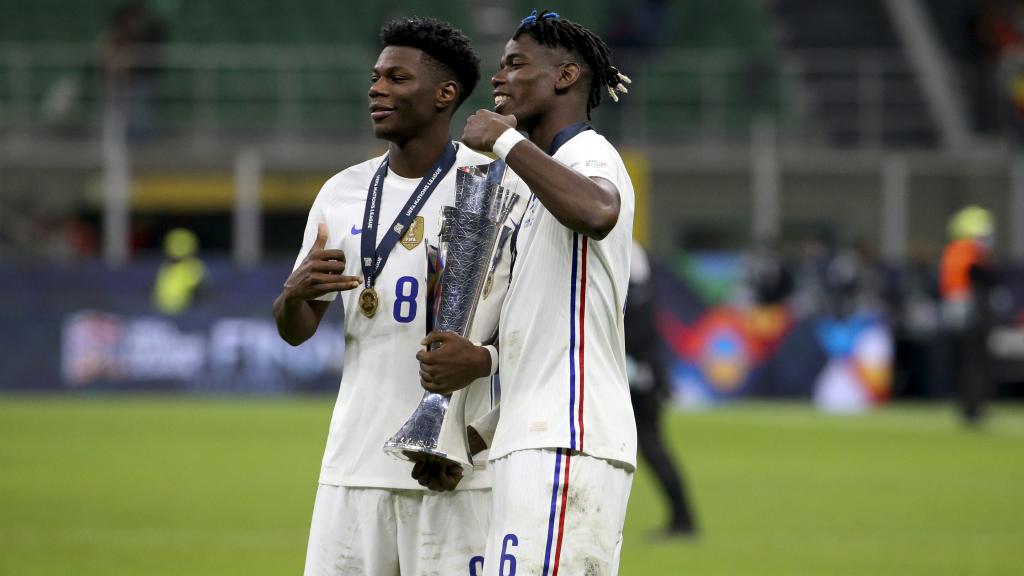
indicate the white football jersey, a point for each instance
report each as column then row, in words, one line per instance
column 561, row 336
column 380, row 385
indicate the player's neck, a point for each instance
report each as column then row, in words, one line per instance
column 412, row 158
column 547, row 127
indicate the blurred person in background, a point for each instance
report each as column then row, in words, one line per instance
column 181, row 275
column 367, row 236
column 130, row 67
column 855, row 334
column 649, row 389
column 810, row 292
column 917, row 327
column 767, row 280
column 966, row 280
column 855, row 282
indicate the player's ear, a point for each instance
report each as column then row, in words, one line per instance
column 568, row 74
column 447, row 94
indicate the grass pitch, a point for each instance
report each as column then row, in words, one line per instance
column 186, row 486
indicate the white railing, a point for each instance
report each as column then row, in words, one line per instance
column 254, row 110
column 315, row 93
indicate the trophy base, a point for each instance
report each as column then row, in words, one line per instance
column 433, row 432
column 413, row 452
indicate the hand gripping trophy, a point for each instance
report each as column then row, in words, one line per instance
column 469, row 231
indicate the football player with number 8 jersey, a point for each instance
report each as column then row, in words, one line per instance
column 368, row 236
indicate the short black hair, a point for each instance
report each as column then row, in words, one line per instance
column 551, row 30
column 445, row 44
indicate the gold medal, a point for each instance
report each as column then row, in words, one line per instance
column 368, row 302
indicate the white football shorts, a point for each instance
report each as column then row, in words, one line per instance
column 378, row 532
column 556, row 511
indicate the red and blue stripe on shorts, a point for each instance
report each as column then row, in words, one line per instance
column 563, row 457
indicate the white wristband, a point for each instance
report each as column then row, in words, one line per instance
column 509, row 138
column 494, row 358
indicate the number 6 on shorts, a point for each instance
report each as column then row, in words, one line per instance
column 507, row 557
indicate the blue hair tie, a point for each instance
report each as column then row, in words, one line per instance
column 533, row 18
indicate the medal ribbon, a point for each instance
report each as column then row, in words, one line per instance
column 373, row 259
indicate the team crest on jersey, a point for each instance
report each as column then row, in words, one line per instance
column 414, row 235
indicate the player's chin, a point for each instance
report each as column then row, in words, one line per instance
column 384, row 129
column 382, row 133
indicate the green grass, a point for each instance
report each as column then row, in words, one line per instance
column 106, row 486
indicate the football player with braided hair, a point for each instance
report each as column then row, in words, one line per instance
column 563, row 451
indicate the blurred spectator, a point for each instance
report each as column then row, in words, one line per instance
column 854, row 281
column 180, row 275
column 130, row 65
column 767, row 281
column 810, row 293
column 966, row 281
column 917, row 328
column 649, row 388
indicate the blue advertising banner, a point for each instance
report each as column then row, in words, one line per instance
column 91, row 328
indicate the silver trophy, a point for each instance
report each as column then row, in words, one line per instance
column 469, row 230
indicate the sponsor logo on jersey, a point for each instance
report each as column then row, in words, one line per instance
column 356, row 231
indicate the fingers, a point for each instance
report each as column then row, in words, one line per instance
column 318, row 278
column 429, row 338
column 439, row 337
column 321, row 236
column 419, row 469
column 446, row 477
column 435, row 472
column 435, row 388
column 450, row 476
column 434, row 477
column 427, row 381
column 323, row 262
column 332, row 283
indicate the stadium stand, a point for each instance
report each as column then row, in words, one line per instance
column 872, row 63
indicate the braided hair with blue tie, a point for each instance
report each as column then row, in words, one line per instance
column 551, row 30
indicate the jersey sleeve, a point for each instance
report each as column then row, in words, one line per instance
column 591, row 159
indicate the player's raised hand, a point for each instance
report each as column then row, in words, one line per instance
column 321, row 272
column 484, row 127
column 451, row 362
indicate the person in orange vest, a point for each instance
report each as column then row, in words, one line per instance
column 965, row 281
